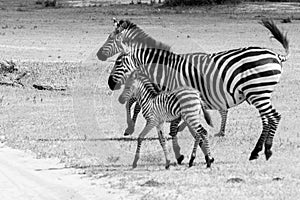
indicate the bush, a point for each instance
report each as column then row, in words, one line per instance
column 46, row 3
column 215, row 2
column 198, row 2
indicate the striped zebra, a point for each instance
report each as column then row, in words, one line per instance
column 159, row 107
column 224, row 79
column 118, row 74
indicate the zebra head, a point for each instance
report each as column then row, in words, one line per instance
column 121, row 70
column 127, row 35
column 131, row 86
column 113, row 43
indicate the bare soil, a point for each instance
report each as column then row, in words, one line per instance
column 58, row 46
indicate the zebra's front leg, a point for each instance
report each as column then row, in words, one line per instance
column 145, row 131
column 162, row 141
column 223, row 114
column 173, row 133
column 131, row 122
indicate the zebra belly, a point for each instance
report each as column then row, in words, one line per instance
column 165, row 116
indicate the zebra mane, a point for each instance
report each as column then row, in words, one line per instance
column 141, row 37
column 148, row 84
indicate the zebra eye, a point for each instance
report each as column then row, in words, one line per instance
column 127, row 87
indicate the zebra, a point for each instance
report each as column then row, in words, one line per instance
column 159, row 107
column 122, row 63
column 224, row 79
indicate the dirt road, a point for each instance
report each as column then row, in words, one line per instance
column 23, row 177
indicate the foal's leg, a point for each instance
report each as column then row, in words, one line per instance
column 206, row 148
column 197, row 136
column 145, row 131
column 204, row 145
column 162, row 141
column 173, row 134
column 131, row 121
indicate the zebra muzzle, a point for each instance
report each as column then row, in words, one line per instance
column 113, row 85
column 122, row 100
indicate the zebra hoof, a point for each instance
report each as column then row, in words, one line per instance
column 128, row 131
column 191, row 161
column 167, row 164
column 253, row 156
column 180, row 159
column 268, row 154
column 209, row 161
column 134, row 165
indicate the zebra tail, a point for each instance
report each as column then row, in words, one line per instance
column 207, row 117
column 278, row 35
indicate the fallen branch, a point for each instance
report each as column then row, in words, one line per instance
column 47, row 87
column 12, row 84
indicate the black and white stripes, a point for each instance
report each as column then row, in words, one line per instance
column 224, row 79
column 160, row 107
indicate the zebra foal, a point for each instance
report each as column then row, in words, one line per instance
column 160, row 107
column 123, row 64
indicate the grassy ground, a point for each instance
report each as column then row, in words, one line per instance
column 57, row 47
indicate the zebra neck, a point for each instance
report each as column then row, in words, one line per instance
column 145, row 94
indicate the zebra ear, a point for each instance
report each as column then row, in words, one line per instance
column 116, row 23
column 121, row 25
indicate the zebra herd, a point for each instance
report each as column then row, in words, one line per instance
column 181, row 84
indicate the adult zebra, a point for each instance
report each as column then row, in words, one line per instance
column 159, row 107
column 225, row 79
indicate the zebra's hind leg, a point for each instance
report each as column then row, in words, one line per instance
column 273, row 120
column 173, row 134
column 223, row 114
column 144, row 132
column 162, row 141
column 131, row 121
column 204, row 145
column 270, row 119
column 259, row 145
column 197, row 136
column 206, row 149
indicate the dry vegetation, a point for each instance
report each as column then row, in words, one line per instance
column 57, row 47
